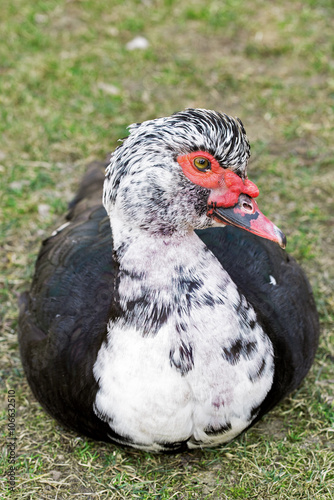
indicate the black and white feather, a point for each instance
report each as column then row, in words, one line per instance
column 164, row 333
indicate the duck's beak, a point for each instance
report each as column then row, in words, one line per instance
column 246, row 215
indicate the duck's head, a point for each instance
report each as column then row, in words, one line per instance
column 184, row 172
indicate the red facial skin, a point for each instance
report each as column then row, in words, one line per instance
column 225, row 185
column 225, row 189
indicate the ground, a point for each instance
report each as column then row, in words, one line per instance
column 69, row 86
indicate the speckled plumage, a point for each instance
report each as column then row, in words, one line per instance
column 179, row 357
column 171, row 333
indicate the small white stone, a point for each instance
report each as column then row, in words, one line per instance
column 139, row 42
column 43, row 210
column 108, row 88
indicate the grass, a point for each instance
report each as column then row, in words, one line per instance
column 68, row 89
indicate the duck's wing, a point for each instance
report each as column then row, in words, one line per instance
column 63, row 319
column 276, row 286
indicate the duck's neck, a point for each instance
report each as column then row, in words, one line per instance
column 162, row 279
column 153, row 256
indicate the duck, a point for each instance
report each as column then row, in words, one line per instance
column 165, row 313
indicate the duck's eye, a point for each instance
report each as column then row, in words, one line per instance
column 202, row 163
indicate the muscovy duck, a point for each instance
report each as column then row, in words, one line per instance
column 180, row 327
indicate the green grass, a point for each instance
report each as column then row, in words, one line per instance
column 68, row 89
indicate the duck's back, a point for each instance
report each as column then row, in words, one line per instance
column 63, row 319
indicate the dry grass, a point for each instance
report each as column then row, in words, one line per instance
column 68, row 89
